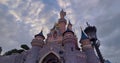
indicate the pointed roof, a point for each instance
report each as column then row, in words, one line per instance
column 83, row 35
column 54, row 27
column 62, row 15
column 68, row 30
column 40, row 34
column 69, row 23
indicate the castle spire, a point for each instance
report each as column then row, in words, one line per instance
column 40, row 35
column 69, row 25
column 62, row 21
column 62, row 14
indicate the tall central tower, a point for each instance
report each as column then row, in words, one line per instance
column 62, row 21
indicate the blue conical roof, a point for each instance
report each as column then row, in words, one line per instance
column 69, row 23
column 83, row 35
column 40, row 34
column 68, row 30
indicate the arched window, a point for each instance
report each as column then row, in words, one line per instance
column 51, row 58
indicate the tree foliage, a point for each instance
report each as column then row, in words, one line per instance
column 24, row 46
column 0, row 50
column 13, row 51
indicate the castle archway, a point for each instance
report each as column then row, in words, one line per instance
column 50, row 58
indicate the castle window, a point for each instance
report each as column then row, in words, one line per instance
column 60, row 52
column 71, row 48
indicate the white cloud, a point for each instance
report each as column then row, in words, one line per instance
column 4, row 1
column 15, row 15
column 64, row 3
column 35, row 8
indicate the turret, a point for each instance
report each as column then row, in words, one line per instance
column 70, row 25
column 84, row 40
column 40, row 36
column 37, row 43
column 70, row 45
column 69, row 40
column 62, row 21
column 87, row 48
column 38, row 40
column 68, row 32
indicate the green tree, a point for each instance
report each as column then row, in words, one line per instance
column 25, row 47
column 11, row 52
column 0, row 50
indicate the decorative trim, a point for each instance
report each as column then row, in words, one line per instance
column 87, row 46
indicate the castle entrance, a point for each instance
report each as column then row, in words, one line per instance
column 51, row 58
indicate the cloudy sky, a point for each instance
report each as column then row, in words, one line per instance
column 20, row 20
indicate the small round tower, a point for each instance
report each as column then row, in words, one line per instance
column 37, row 43
column 38, row 40
column 69, row 39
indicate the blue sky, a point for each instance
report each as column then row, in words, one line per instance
column 20, row 20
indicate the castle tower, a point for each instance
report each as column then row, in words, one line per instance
column 37, row 43
column 62, row 21
column 87, row 48
column 70, row 44
column 69, row 40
